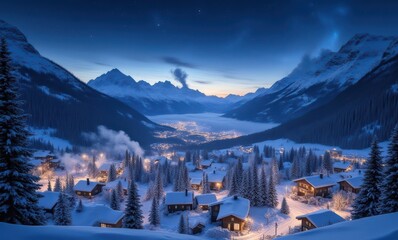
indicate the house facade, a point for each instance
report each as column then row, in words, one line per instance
column 88, row 188
column 317, row 219
column 314, row 186
column 351, row 185
column 179, row 201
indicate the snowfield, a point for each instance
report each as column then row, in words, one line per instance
column 19, row 232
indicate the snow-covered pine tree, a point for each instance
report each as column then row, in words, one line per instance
column 158, row 187
column 307, row 166
column 244, row 187
column 115, row 201
column 280, row 163
column 205, row 184
column 368, row 200
column 285, row 208
column 119, row 190
column 327, row 163
column 182, row 228
column 79, row 207
column 263, row 188
column 272, row 194
column 255, row 200
column 112, row 173
column 133, row 213
column 57, row 186
column 234, row 187
column 389, row 187
column 275, row 170
column 70, row 191
column 154, row 214
column 18, row 197
column 295, row 169
column 62, row 215
column 49, row 188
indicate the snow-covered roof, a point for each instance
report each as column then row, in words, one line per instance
column 370, row 228
column 194, row 221
column 42, row 153
column 48, row 200
column 341, row 165
column 179, row 198
column 216, row 177
column 35, row 162
column 196, row 181
column 355, row 182
column 92, row 215
column 233, row 206
column 206, row 199
column 113, row 184
column 206, row 163
column 321, row 218
column 84, row 187
column 316, row 181
column 105, row 167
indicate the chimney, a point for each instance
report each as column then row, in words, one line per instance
column 88, row 181
column 235, row 197
column 186, row 192
column 321, row 175
column 214, row 171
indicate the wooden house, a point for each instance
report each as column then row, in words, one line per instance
column 204, row 200
column 98, row 215
column 231, row 212
column 48, row 201
column 317, row 185
column 344, row 166
column 335, row 153
column 216, row 180
column 196, row 224
column 179, row 201
column 205, row 164
column 87, row 188
column 196, row 183
column 352, row 185
column 319, row 219
column 113, row 185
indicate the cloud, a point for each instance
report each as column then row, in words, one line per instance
column 177, row 62
column 102, row 64
column 203, row 82
column 180, row 76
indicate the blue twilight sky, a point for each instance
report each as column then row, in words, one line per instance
column 224, row 46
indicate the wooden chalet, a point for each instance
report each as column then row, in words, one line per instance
column 231, row 212
column 319, row 219
column 334, row 153
column 179, row 201
column 113, row 185
column 196, row 183
column 317, row 185
column 216, row 180
column 344, row 166
column 205, row 164
column 196, row 224
column 352, row 185
column 204, row 200
column 87, row 188
column 98, row 215
column 48, row 201
column 47, row 159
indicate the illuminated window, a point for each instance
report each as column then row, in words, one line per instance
column 232, row 219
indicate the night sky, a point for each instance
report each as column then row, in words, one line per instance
column 224, row 46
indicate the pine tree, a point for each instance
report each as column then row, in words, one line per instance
column 115, row 201
column 158, row 186
column 367, row 202
column 263, row 188
column 154, row 214
column 244, row 187
column 255, row 193
column 18, row 196
column 295, row 170
column 133, row 213
column 112, row 173
column 49, row 186
column 79, row 207
column 285, row 208
column 182, row 228
column 275, row 170
column 233, row 188
column 57, row 186
column 205, row 184
column 62, row 215
column 272, row 194
column 327, row 163
column 389, row 187
column 119, row 190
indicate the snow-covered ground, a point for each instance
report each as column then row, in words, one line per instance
column 211, row 122
column 47, row 135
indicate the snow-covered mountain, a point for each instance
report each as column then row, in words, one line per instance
column 56, row 99
column 163, row 97
column 316, row 81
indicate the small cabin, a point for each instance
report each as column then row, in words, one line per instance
column 98, row 215
column 48, row 201
column 317, row 185
column 197, row 227
column 317, row 219
column 87, row 188
column 216, row 180
column 231, row 212
column 205, row 164
column 204, row 200
column 344, row 166
column 113, row 185
column 179, row 201
column 196, row 183
column 351, row 185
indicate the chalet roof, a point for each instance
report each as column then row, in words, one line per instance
column 206, row 199
column 355, row 182
column 341, row 165
column 98, row 213
column 84, row 187
column 206, row 163
column 48, row 200
column 316, row 181
column 194, row 221
column 216, row 177
column 196, row 181
column 233, row 206
column 179, row 198
column 113, row 184
column 321, row 218
column 42, row 153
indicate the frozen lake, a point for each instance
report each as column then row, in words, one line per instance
column 211, row 122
